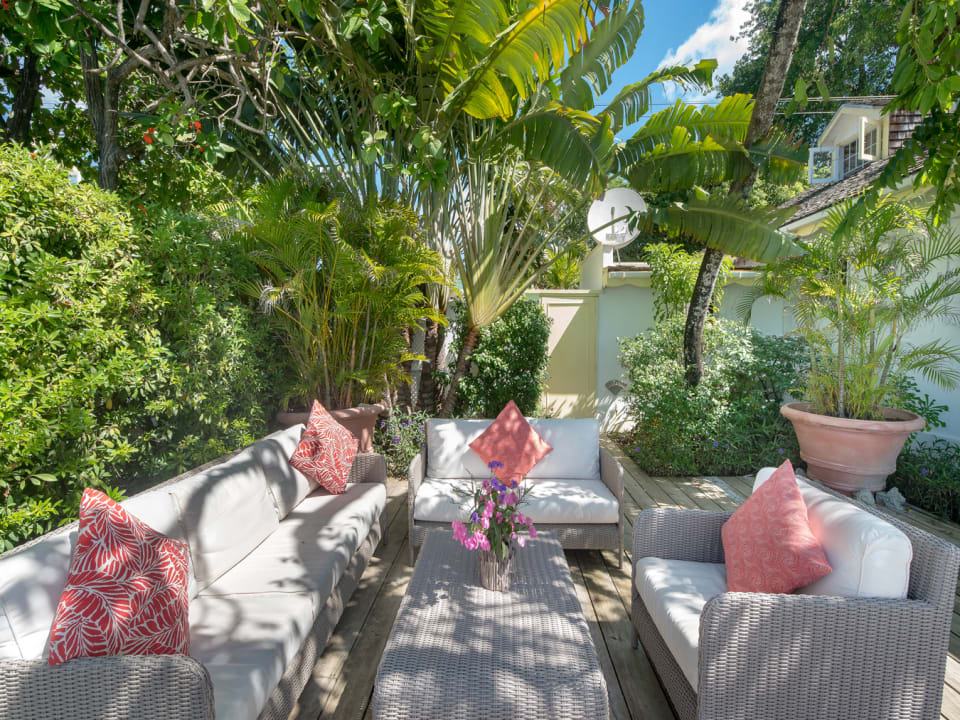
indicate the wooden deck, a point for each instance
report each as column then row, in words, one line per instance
column 342, row 682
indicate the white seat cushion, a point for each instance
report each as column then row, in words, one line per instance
column 246, row 643
column 547, row 501
column 869, row 556
column 226, row 511
column 310, row 549
column 674, row 593
column 288, row 485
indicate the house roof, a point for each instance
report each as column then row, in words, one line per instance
column 821, row 196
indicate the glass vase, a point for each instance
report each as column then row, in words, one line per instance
column 494, row 572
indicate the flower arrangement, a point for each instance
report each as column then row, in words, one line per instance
column 495, row 521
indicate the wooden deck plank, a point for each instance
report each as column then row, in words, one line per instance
column 618, row 705
column 351, row 625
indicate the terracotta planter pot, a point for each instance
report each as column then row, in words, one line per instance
column 359, row 420
column 851, row 455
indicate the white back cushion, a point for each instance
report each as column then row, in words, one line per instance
column 226, row 512
column 869, row 556
column 158, row 510
column 31, row 581
column 576, row 448
column 288, row 485
column 448, row 448
column 575, row 443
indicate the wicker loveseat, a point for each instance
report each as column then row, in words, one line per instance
column 273, row 563
column 795, row 656
column 575, row 492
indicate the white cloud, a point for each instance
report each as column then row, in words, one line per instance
column 712, row 40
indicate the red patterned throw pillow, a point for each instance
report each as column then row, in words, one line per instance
column 767, row 542
column 326, row 451
column 126, row 593
column 510, row 440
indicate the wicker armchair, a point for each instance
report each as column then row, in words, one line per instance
column 803, row 656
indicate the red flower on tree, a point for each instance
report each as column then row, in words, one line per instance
column 147, row 139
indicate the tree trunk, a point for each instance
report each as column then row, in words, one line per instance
column 103, row 98
column 24, row 100
column 463, row 362
column 428, row 384
column 404, row 394
column 782, row 47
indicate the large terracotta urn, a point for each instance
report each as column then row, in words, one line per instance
column 850, row 455
column 359, row 420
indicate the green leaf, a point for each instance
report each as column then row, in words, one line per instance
column 726, row 224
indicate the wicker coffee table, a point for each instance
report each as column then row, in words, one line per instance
column 459, row 651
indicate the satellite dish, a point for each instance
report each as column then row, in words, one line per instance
column 614, row 205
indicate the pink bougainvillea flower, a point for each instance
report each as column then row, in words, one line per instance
column 521, row 540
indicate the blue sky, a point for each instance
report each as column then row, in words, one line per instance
column 681, row 31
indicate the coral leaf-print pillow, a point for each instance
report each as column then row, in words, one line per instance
column 126, row 593
column 767, row 542
column 326, row 451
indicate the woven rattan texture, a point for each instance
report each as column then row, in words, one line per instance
column 459, row 651
column 572, row 537
column 155, row 687
column 806, row 656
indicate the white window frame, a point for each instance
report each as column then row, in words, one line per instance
column 834, row 158
column 867, row 126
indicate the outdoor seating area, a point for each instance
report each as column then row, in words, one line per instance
column 483, row 360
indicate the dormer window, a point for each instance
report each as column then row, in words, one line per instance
column 851, row 159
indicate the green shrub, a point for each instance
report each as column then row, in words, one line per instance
column 928, row 475
column 509, row 362
column 673, row 275
column 399, row 438
column 125, row 355
column 729, row 424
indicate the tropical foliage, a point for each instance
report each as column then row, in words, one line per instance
column 128, row 351
column 341, row 284
column 508, row 363
column 856, row 295
column 673, row 273
column 730, row 423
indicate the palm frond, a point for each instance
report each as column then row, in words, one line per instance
column 633, row 101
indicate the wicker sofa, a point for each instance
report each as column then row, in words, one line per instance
column 575, row 492
column 273, row 563
column 798, row 655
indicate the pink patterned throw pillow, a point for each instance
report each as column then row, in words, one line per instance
column 768, row 543
column 326, row 451
column 510, row 440
column 126, row 593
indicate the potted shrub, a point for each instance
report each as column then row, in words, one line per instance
column 341, row 283
column 864, row 283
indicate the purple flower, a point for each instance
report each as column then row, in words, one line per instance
column 924, row 471
column 513, row 483
column 421, row 427
column 474, row 518
column 494, row 464
column 716, row 443
column 780, row 451
column 637, row 450
column 726, row 446
column 396, row 439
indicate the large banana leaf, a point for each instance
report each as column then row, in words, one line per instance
column 726, row 224
column 612, row 42
column 523, row 56
column 633, row 102
column 728, row 119
column 779, row 157
column 575, row 145
column 684, row 163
